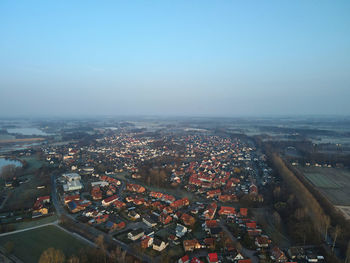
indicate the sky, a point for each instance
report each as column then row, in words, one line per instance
column 176, row 58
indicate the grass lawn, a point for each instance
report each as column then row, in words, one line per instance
column 29, row 245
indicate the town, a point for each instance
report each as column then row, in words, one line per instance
column 172, row 197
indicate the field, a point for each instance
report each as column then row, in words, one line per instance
column 29, row 245
column 334, row 183
column 24, row 195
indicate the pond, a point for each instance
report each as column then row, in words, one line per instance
column 4, row 162
column 27, row 131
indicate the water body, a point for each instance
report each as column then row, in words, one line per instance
column 27, row 131
column 4, row 162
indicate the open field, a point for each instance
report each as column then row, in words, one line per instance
column 29, row 245
column 334, row 183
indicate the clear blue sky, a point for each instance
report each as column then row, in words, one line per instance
column 221, row 58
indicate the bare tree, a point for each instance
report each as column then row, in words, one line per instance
column 336, row 233
column 73, row 259
column 52, row 255
column 99, row 241
column 8, row 172
column 347, row 259
column 326, row 222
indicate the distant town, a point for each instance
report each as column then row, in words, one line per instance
column 172, row 191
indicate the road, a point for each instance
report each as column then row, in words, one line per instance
column 246, row 252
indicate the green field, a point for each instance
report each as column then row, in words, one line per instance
column 334, row 183
column 29, row 245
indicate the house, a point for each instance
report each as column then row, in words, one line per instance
column 149, row 221
column 251, row 224
column 209, row 213
column 262, row 241
column 226, row 210
column 73, row 207
column 69, row 198
column 39, row 208
column 243, row 212
column 209, row 243
column 96, row 193
column 253, row 189
column 188, row 220
column 121, row 225
column 228, row 198
column 109, row 200
column 180, row 230
column 165, row 218
column 213, row 258
column 110, row 226
column 196, row 260
column 184, row 259
column 190, row 245
column 99, row 183
column 43, row 199
column 237, row 256
column 210, row 224
column 119, row 204
column 254, row 232
column 180, row 203
column 136, row 234
column 213, row 193
column 133, row 215
column 101, row 219
column 277, row 255
column 159, row 244
column 135, row 188
column 146, row 241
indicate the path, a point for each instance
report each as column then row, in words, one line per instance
column 29, row 228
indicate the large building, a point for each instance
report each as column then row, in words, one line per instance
column 72, row 182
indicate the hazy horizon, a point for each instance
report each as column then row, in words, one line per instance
column 199, row 58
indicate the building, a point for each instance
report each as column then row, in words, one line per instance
column 149, row 221
column 226, row 210
column 180, row 230
column 159, row 244
column 190, row 245
column 184, row 259
column 188, row 220
column 213, row 258
column 146, row 241
column 72, row 182
column 278, row 255
column 109, row 200
column 136, row 234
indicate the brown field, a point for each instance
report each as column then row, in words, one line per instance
column 334, row 183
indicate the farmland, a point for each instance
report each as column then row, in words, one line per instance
column 29, row 245
column 334, row 183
